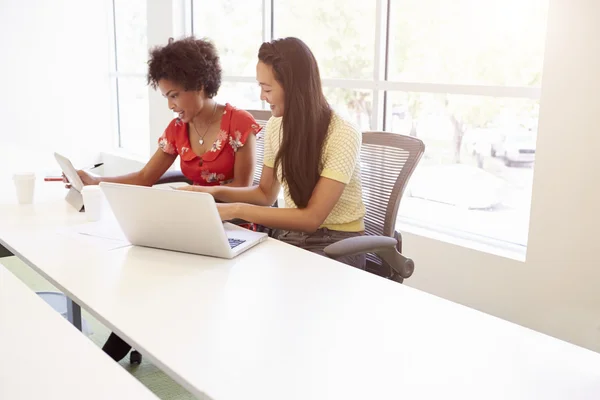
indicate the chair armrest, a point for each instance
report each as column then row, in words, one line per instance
column 383, row 246
column 172, row 177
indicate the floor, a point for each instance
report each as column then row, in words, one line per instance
column 159, row 383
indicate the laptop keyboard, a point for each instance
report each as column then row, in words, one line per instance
column 233, row 243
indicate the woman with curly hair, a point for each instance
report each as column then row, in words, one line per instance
column 215, row 142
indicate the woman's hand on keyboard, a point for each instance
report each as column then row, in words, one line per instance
column 228, row 211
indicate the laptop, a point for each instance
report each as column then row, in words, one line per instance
column 176, row 220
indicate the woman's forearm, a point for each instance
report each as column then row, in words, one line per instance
column 238, row 183
column 147, row 176
column 252, row 195
column 134, row 178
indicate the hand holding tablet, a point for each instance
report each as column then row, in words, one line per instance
column 76, row 184
column 69, row 171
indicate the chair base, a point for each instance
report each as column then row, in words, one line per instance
column 384, row 271
column 135, row 357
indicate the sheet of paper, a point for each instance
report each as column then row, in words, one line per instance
column 105, row 229
column 105, row 234
column 97, row 243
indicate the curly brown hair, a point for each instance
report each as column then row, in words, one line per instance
column 190, row 62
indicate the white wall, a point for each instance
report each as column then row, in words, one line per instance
column 54, row 80
column 557, row 290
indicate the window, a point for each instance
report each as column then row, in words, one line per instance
column 236, row 27
column 489, row 42
column 484, row 60
column 341, row 33
column 130, row 31
column 133, row 114
column 356, row 105
column 244, row 95
column 130, row 94
column 464, row 76
column 477, row 171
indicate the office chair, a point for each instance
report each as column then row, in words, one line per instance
column 387, row 162
column 262, row 117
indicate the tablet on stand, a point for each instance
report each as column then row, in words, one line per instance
column 74, row 197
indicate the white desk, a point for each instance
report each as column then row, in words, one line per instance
column 43, row 357
column 280, row 323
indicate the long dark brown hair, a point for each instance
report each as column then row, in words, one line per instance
column 306, row 115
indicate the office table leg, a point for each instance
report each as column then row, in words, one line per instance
column 74, row 313
column 4, row 252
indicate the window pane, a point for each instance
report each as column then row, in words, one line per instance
column 477, row 171
column 241, row 95
column 134, row 125
column 341, row 33
column 355, row 105
column 235, row 26
column 495, row 42
column 131, row 37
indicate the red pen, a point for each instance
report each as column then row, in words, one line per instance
column 53, row 179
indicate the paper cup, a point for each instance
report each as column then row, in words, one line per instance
column 93, row 201
column 25, row 186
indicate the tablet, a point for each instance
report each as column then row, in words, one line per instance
column 69, row 171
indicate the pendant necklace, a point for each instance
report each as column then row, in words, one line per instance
column 201, row 140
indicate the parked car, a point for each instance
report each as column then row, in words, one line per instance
column 478, row 142
column 518, row 148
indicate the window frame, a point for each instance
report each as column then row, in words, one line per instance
column 114, row 76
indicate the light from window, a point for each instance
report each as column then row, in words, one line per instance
column 134, row 123
column 460, row 58
column 235, row 27
column 241, row 95
column 487, row 42
column 355, row 105
column 130, row 94
column 341, row 33
column 477, row 171
column 131, row 37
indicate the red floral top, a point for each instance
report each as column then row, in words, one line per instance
column 216, row 166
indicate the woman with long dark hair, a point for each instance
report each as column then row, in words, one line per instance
column 309, row 150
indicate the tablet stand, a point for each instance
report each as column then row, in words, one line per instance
column 75, row 199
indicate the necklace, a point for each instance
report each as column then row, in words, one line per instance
column 201, row 140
